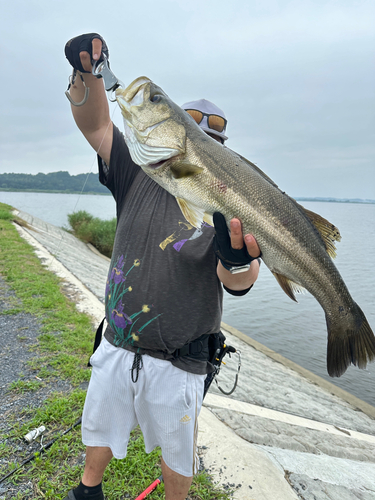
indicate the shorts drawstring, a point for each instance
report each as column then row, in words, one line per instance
column 137, row 365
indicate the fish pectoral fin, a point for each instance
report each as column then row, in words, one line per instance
column 289, row 286
column 181, row 170
column 208, row 219
column 328, row 232
column 192, row 213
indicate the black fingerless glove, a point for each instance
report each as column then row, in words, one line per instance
column 231, row 258
column 82, row 43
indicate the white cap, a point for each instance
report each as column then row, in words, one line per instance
column 209, row 108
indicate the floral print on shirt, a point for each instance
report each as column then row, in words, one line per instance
column 127, row 327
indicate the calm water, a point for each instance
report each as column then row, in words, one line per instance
column 297, row 331
column 54, row 208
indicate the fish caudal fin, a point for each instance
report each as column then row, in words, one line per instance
column 352, row 344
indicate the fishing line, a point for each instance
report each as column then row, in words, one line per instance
column 85, row 182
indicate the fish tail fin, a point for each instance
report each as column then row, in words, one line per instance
column 349, row 344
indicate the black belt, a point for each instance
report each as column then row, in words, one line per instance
column 197, row 349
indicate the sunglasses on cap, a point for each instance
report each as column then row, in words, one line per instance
column 215, row 122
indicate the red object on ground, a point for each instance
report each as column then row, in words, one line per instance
column 150, row 488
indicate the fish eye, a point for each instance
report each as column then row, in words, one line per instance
column 155, row 98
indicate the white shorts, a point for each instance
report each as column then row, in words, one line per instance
column 165, row 402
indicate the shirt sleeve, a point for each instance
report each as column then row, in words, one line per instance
column 119, row 175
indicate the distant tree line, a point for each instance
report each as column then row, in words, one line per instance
column 54, row 181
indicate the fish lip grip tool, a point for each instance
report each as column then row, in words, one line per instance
column 100, row 69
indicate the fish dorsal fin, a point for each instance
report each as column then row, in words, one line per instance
column 289, row 286
column 327, row 231
column 181, row 170
column 192, row 213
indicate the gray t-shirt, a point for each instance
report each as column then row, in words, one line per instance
column 162, row 289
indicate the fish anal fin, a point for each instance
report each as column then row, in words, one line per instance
column 192, row 213
column 180, row 170
column 326, row 229
column 289, row 286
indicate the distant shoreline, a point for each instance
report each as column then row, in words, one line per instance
column 335, row 200
column 54, row 191
column 297, row 198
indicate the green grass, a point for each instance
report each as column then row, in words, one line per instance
column 22, row 386
column 63, row 349
column 100, row 233
column 5, row 214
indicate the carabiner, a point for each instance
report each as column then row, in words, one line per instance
column 72, row 79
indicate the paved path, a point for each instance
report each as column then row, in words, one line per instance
column 90, row 267
column 283, row 434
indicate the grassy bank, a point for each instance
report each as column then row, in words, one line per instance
column 59, row 370
column 98, row 232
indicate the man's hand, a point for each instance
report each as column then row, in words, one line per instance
column 235, row 250
column 237, row 239
column 82, row 50
column 96, row 53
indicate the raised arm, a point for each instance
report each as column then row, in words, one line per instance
column 93, row 117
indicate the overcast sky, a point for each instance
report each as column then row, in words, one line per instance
column 296, row 80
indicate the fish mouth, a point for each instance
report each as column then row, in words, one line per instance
column 142, row 121
column 131, row 95
column 156, row 166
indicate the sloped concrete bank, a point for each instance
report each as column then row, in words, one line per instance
column 284, row 433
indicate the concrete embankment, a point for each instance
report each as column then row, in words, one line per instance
column 284, row 433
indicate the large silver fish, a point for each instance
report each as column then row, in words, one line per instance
column 297, row 245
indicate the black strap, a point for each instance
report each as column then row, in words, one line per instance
column 197, row 349
column 98, row 338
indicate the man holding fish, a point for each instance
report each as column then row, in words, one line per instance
column 163, row 296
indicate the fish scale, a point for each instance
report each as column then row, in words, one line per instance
column 206, row 177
